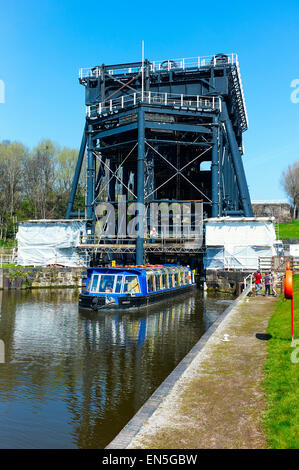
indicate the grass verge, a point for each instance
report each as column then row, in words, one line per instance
column 281, row 420
column 289, row 230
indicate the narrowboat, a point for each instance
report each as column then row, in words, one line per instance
column 126, row 287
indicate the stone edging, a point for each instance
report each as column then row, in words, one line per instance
column 126, row 435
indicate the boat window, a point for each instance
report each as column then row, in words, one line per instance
column 170, row 280
column 118, row 284
column 106, row 283
column 176, row 279
column 88, row 285
column 164, row 281
column 150, row 283
column 94, row 283
column 158, row 283
column 131, row 285
column 182, row 278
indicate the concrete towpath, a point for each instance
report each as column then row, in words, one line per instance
column 218, row 402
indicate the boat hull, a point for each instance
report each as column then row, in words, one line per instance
column 98, row 303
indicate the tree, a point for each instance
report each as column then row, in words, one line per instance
column 290, row 183
column 36, row 184
column 65, row 169
column 39, row 178
column 12, row 159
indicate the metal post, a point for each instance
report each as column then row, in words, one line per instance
column 214, row 171
column 90, row 183
column 142, row 73
column 140, row 186
column 220, row 171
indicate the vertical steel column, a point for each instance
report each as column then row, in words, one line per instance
column 220, row 172
column 90, row 182
column 215, row 171
column 140, row 186
column 238, row 164
column 77, row 174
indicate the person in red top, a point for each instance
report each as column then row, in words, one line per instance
column 258, row 282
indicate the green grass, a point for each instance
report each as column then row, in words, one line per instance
column 281, row 382
column 288, row 230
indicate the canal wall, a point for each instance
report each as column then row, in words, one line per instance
column 230, row 282
column 167, row 393
column 19, row 277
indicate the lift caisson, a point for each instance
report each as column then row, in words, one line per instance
column 164, row 131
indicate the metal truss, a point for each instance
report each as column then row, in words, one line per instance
column 179, row 171
column 167, row 248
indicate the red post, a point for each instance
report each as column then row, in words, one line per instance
column 288, row 292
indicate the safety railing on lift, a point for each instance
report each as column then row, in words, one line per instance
column 168, row 64
column 152, row 97
column 194, row 62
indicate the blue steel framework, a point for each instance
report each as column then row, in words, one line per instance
column 146, row 120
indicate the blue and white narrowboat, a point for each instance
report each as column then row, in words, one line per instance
column 124, row 287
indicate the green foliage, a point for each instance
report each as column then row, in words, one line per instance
column 7, row 244
column 289, row 230
column 35, row 184
column 282, row 377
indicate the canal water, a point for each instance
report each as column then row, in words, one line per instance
column 73, row 379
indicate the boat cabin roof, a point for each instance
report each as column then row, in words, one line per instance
column 148, row 268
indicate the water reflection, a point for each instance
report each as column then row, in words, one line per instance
column 73, row 379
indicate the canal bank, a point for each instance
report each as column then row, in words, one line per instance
column 28, row 277
column 214, row 397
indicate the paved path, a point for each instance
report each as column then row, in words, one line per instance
column 219, row 401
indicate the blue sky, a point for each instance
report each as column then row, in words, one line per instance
column 43, row 44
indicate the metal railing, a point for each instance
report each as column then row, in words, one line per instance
column 190, row 63
column 242, row 91
column 248, row 281
column 194, row 62
column 168, row 64
column 265, row 263
column 182, row 101
column 7, row 259
column 80, row 261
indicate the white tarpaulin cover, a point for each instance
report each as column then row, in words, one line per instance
column 294, row 250
column 238, row 243
column 46, row 242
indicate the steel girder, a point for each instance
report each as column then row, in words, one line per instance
column 213, row 132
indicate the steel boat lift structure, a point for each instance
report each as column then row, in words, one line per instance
column 164, row 131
